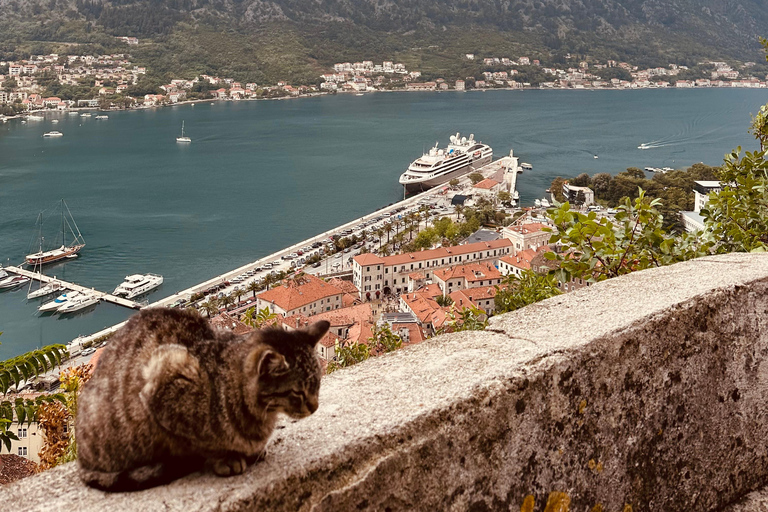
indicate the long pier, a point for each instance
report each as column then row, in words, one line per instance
column 76, row 287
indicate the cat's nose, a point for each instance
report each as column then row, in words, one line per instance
column 312, row 405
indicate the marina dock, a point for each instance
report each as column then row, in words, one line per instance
column 76, row 287
column 487, row 170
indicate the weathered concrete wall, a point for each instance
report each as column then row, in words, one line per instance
column 648, row 390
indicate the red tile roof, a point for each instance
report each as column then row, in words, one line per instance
column 369, row 259
column 486, row 184
column 524, row 258
column 344, row 286
column 293, row 294
column 471, row 272
column 528, row 228
column 226, row 322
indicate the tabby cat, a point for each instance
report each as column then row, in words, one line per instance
column 170, row 395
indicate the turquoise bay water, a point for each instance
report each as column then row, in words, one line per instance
column 263, row 175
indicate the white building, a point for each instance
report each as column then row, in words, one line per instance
column 571, row 192
column 374, row 275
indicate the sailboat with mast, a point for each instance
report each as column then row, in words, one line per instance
column 54, row 286
column 183, row 138
column 65, row 250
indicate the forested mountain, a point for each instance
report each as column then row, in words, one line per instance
column 301, row 36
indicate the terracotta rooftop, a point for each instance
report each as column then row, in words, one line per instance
column 524, row 258
column 527, row 228
column 440, row 252
column 463, row 298
column 486, row 184
column 421, row 305
column 358, row 319
column 226, row 322
column 471, row 272
column 344, row 286
column 293, row 294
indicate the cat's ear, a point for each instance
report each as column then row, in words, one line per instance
column 272, row 363
column 317, row 330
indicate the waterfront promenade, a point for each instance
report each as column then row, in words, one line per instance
column 284, row 265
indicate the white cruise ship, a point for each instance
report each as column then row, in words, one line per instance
column 138, row 284
column 441, row 165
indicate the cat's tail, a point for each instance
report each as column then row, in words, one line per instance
column 139, row 478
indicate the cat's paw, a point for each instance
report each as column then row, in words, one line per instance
column 229, row 466
column 252, row 459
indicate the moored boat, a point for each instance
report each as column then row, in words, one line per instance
column 53, row 134
column 83, row 301
column 138, row 284
column 13, row 282
column 58, row 301
column 48, row 289
column 439, row 166
column 64, row 250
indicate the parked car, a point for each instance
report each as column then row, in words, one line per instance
column 88, row 351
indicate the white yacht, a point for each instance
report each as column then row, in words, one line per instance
column 58, row 301
column 102, row 117
column 85, row 114
column 13, row 282
column 441, row 165
column 78, row 303
column 138, row 284
column 526, row 166
column 53, row 134
column 54, row 121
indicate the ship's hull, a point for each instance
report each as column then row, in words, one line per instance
column 42, row 258
column 415, row 186
column 77, row 305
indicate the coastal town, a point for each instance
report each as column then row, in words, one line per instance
column 64, row 82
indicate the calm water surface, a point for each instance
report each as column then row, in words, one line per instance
column 260, row 176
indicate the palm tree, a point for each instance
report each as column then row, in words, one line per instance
column 211, row 306
column 459, row 209
column 21, row 368
column 380, row 234
column 227, row 301
column 253, row 286
column 388, row 228
column 238, row 293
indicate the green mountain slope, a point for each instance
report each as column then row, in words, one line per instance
column 294, row 39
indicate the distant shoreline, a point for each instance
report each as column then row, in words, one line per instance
column 316, row 94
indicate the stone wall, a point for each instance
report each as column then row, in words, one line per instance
column 649, row 390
